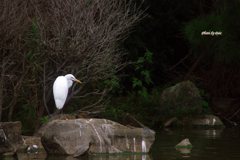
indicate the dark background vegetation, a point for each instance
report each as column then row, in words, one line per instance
column 142, row 55
column 171, row 32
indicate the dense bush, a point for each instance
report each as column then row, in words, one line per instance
column 136, row 110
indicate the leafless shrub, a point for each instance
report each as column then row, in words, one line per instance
column 83, row 37
column 13, row 24
column 43, row 39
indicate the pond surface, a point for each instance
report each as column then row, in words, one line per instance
column 208, row 144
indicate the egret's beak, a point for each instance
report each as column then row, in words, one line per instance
column 78, row 81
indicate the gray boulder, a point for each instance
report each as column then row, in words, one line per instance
column 185, row 143
column 181, row 99
column 77, row 136
column 207, row 120
column 184, row 147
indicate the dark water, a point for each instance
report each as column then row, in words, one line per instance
column 208, row 144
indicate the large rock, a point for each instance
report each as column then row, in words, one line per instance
column 206, row 120
column 75, row 137
column 185, row 143
column 10, row 136
column 182, row 99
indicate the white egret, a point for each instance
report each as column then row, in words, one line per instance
column 60, row 89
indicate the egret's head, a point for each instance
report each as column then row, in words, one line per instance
column 71, row 79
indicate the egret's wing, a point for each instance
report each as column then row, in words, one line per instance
column 60, row 91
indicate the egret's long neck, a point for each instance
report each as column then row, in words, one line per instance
column 70, row 82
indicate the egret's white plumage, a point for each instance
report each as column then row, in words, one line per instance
column 60, row 89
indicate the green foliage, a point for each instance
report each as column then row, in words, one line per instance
column 205, row 106
column 113, row 83
column 144, row 110
column 27, row 115
column 136, row 82
column 44, row 119
column 114, row 113
column 142, row 77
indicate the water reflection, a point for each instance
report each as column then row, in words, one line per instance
column 210, row 133
column 105, row 157
column 35, row 156
column 184, row 147
column 55, row 157
column 121, row 157
column 207, row 133
column 208, row 144
column 184, row 151
column 213, row 133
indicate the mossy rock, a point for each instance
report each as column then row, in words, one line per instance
column 184, row 144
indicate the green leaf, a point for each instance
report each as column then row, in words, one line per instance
column 148, row 56
column 44, row 119
column 146, row 74
column 136, row 82
column 140, row 60
column 143, row 93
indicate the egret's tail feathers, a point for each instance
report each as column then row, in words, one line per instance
column 59, row 104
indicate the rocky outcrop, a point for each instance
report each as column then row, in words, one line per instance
column 12, row 142
column 206, row 120
column 181, row 99
column 77, row 136
column 184, row 147
column 185, row 143
column 10, row 136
